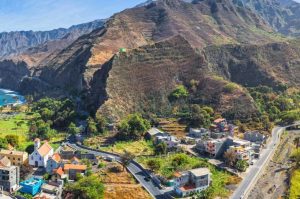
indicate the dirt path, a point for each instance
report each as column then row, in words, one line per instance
column 274, row 182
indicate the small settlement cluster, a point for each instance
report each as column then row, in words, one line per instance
column 60, row 167
column 212, row 143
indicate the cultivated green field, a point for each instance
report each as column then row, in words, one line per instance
column 295, row 185
column 18, row 125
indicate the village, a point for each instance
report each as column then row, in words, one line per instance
column 44, row 172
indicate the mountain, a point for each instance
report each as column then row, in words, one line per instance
column 17, row 42
column 282, row 15
column 167, row 42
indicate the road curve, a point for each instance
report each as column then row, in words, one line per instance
column 134, row 168
column 256, row 170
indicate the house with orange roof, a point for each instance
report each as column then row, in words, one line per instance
column 41, row 154
column 53, row 163
column 71, row 170
column 58, row 174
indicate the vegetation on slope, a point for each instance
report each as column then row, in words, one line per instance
column 167, row 166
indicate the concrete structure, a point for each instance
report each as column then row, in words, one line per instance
column 220, row 125
column 71, row 170
column 255, row 136
column 192, row 182
column 41, row 154
column 67, row 152
column 17, row 158
column 31, row 186
column 9, row 175
column 154, row 132
column 53, row 163
column 198, row 133
column 58, row 174
column 171, row 141
column 213, row 147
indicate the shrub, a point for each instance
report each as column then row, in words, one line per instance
column 178, row 93
column 230, row 88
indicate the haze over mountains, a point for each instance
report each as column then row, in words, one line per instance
column 168, row 42
column 14, row 43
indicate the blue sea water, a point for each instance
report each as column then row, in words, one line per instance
column 10, row 97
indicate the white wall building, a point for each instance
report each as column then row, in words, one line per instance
column 192, row 182
column 41, row 154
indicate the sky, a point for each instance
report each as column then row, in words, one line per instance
column 17, row 15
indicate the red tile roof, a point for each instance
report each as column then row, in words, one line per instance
column 56, row 157
column 187, row 187
column 59, row 171
column 219, row 120
column 75, row 167
column 44, row 149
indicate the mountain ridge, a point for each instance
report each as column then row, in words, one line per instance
column 16, row 42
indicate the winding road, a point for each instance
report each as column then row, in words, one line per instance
column 257, row 169
column 241, row 192
column 134, row 168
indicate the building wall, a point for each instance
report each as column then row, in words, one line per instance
column 9, row 178
column 51, row 164
column 16, row 160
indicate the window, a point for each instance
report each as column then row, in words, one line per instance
column 19, row 159
column 31, row 157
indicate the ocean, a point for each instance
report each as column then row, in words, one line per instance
column 10, row 97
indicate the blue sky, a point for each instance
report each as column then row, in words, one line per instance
column 50, row 14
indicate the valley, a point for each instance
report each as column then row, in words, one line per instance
column 166, row 99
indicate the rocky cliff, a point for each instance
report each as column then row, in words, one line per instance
column 168, row 42
column 17, row 42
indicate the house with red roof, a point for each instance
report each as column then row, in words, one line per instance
column 53, row 163
column 41, row 154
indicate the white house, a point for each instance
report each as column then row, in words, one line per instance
column 192, row 182
column 41, row 154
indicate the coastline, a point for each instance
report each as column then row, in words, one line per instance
column 10, row 98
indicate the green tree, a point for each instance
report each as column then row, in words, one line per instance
column 73, row 129
column 161, row 148
column 133, row 127
column 86, row 188
column 199, row 117
column 241, row 165
column 179, row 93
column 91, row 126
column 3, row 143
column 126, row 158
column 13, row 140
column 154, row 164
column 101, row 123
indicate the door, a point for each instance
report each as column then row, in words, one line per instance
column 36, row 163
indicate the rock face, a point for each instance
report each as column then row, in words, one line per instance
column 11, row 73
column 282, row 15
column 168, row 42
column 15, row 43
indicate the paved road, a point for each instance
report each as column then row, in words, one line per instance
column 256, row 170
column 134, row 168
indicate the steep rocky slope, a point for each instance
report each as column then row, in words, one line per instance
column 17, row 42
column 142, row 80
column 168, row 42
column 11, row 73
column 200, row 23
column 282, row 15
